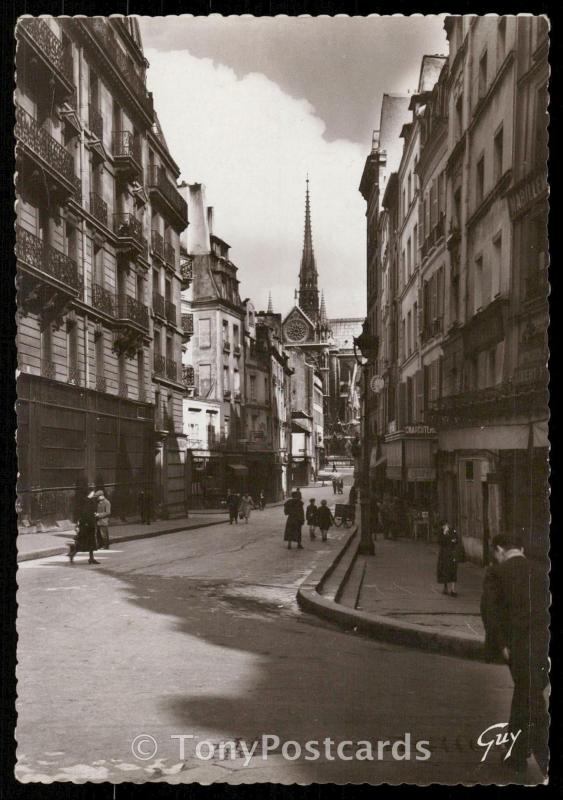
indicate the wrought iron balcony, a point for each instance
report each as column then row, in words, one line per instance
column 522, row 395
column 127, row 153
column 188, row 377
column 157, row 244
column 133, row 311
column 186, row 271
column 48, row 369
column 38, row 145
column 159, row 365
column 103, row 299
column 132, row 80
column 130, row 233
column 171, row 369
column 171, row 314
column 96, row 122
column 167, row 195
column 37, row 34
column 158, row 305
column 43, row 260
column 187, row 326
column 98, row 208
column 170, row 255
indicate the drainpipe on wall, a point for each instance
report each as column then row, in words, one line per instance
column 83, row 225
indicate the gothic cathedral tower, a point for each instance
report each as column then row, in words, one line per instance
column 308, row 277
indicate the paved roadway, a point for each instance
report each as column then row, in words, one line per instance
column 198, row 633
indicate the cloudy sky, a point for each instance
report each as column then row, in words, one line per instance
column 250, row 106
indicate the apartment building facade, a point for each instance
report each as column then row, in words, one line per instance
column 97, row 404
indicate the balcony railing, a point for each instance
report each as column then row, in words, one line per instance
column 186, row 272
column 171, row 314
column 131, row 78
column 171, row 369
column 103, row 299
column 98, row 208
column 132, row 310
column 188, row 324
column 158, row 304
column 188, row 377
column 125, row 145
column 127, row 226
column 49, row 44
column 31, row 134
column 169, row 254
column 96, row 121
column 74, row 375
column 157, row 243
column 157, row 180
column 48, row 369
column 524, row 394
column 32, row 251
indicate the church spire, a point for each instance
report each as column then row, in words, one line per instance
column 308, row 290
column 323, row 318
column 270, row 305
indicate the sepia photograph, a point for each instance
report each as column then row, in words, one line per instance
column 283, row 507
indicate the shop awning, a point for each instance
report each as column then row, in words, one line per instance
column 238, row 467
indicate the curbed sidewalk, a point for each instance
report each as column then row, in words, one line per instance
column 393, row 597
column 42, row 545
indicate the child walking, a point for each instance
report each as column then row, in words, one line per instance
column 311, row 517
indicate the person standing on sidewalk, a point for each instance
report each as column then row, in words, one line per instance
column 448, row 556
column 293, row 509
column 311, row 517
column 233, row 503
column 514, row 608
column 325, row 519
column 85, row 539
column 262, row 501
column 246, row 506
column 103, row 513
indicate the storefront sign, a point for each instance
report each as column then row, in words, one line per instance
column 525, row 193
column 420, row 429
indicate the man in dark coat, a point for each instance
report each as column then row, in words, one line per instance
column 515, row 613
column 293, row 509
column 85, row 540
column 233, row 504
column 448, row 557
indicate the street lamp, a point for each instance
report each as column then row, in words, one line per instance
column 367, row 346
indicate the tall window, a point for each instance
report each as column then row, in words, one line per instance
column 252, row 386
column 226, row 381
column 459, row 116
column 409, row 333
column 478, row 288
column 236, row 340
column 99, row 351
column 480, row 179
column 47, row 366
column 497, row 265
column 414, row 325
column 540, row 137
column 71, row 241
column 483, row 74
column 498, row 154
column 409, row 259
column 225, row 332
column 141, row 374
column 72, row 349
column 236, row 381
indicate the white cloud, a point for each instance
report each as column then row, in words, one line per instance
column 252, row 145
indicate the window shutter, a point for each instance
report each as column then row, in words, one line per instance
column 402, row 340
column 420, row 224
column 402, row 405
column 434, row 377
column 419, row 414
column 434, row 285
column 427, row 216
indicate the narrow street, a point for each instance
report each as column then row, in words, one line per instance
column 200, row 634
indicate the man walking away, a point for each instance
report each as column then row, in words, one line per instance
column 103, row 513
column 311, row 517
column 334, row 485
column 233, row 503
column 293, row 509
column 515, row 614
column 85, row 539
column 325, row 519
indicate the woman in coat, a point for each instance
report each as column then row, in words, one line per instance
column 246, row 506
column 293, row 509
column 85, row 539
column 448, row 557
column 324, row 519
